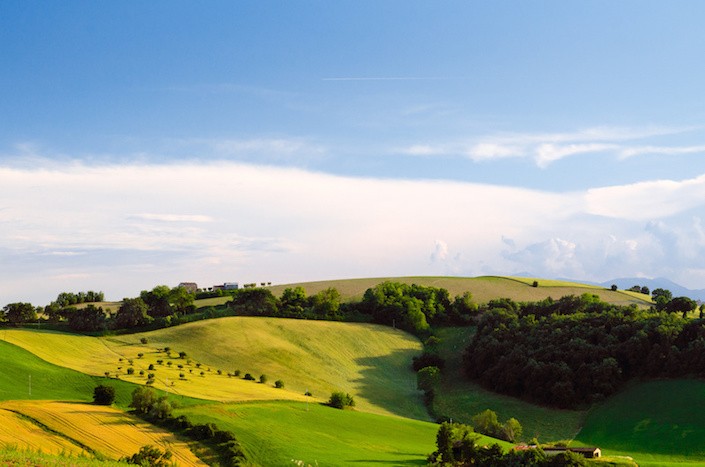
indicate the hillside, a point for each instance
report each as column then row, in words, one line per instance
column 483, row 288
column 370, row 362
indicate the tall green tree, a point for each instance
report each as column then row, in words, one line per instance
column 18, row 313
column 132, row 313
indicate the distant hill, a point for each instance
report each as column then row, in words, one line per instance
column 483, row 288
column 659, row 282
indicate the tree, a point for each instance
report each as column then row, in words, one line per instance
column 341, row 400
column 661, row 297
column 143, row 399
column 683, row 305
column 487, row 423
column 613, row 287
column 512, row 430
column 151, row 456
column 427, row 378
column 293, row 301
column 326, row 304
column 90, row 318
column 103, row 395
column 157, row 301
column 18, row 313
column 255, row 302
column 182, row 300
column 132, row 313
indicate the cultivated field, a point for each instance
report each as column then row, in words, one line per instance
column 102, row 431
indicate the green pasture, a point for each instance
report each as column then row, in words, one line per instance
column 655, row 422
column 278, row 433
column 24, row 376
column 371, row 362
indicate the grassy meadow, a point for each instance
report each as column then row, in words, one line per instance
column 655, row 422
column 275, row 433
column 371, row 362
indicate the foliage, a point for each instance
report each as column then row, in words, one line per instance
column 279, row 384
column 341, row 400
column 150, row 456
column 428, row 378
column 103, row 395
column 17, row 313
column 457, row 445
column 132, row 313
column 90, row 318
column 578, row 349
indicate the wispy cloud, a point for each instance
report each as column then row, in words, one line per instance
column 174, row 217
column 548, row 148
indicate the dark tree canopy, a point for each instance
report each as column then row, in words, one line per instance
column 132, row 313
column 18, row 313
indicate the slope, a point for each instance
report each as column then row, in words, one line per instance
column 371, row 362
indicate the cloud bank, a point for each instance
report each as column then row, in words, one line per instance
column 124, row 228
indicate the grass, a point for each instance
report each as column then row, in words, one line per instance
column 482, row 288
column 103, row 431
column 277, row 433
column 461, row 399
column 13, row 456
column 373, row 363
column 656, row 422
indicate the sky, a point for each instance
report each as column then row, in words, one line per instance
column 148, row 143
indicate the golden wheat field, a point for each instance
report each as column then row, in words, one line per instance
column 74, row 427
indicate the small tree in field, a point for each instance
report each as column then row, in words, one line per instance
column 104, row 395
column 279, row 384
column 151, row 456
column 341, row 400
column 262, row 379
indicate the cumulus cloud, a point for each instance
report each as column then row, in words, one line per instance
column 440, row 252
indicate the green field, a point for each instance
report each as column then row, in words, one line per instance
column 275, row 433
column 656, row 422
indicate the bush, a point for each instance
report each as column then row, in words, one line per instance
column 340, row 400
column 262, row 379
column 143, row 340
column 203, row 431
column 279, row 384
column 103, row 395
column 130, row 371
column 151, row 456
column 248, row 377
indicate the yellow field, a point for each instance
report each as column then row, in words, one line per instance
column 316, row 356
column 107, row 432
column 25, row 435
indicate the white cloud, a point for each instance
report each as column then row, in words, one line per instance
column 647, row 200
column 131, row 227
column 546, row 148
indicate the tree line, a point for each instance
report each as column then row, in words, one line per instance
column 577, row 350
column 413, row 308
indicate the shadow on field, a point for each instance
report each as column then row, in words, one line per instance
column 389, row 382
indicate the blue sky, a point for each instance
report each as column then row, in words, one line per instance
column 144, row 143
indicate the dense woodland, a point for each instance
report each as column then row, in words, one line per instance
column 577, row 350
